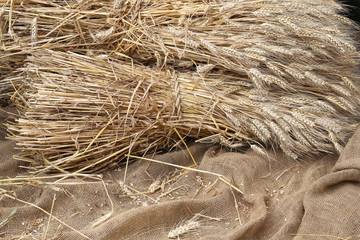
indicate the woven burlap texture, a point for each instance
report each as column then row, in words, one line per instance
column 281, row 199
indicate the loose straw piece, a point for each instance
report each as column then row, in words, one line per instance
column 220, row 176
column 50, row 215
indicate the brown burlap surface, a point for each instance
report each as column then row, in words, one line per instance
column 281, row 199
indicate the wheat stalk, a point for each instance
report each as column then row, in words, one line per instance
column 186, row 227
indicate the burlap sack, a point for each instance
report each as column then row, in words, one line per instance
column 281, row 199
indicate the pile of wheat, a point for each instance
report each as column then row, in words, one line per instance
column 107, row 78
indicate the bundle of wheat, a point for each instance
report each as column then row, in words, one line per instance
column 86, row 112
column 279, row 73
column 236, row 35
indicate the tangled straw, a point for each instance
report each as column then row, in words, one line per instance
column 108, row 78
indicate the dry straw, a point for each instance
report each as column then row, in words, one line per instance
column 186, row 227
column 107, row 78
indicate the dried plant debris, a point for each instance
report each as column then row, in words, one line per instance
column 104, row 79
column 185, row 227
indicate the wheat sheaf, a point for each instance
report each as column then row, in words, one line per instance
column 112, row 78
